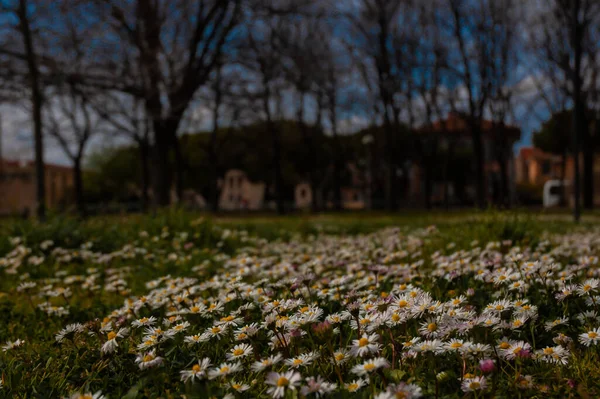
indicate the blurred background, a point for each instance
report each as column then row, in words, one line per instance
column 298, row 106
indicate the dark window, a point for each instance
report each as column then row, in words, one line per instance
column 230, row 197
column 231, row 182
column 556, row 190
column 546, row 167
column 303, row 193
column 356, row 197
column 240, row 180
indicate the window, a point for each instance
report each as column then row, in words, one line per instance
column 303, row 193
column 231, row 181
column 240, row 180
column 231, row 198
column 546, row 167
column 556, row 190
column 356, row 197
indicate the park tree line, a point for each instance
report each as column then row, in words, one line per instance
column 148, row 71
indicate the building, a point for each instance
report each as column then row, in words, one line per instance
column 353, row 191
column 535, row 167
column 18, row 187
column 453, row 136
column 239, row 193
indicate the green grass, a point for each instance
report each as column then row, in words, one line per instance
column 183, row 244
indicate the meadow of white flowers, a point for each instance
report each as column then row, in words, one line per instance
column 390, row 314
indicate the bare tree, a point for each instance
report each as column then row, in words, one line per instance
column 261, row 58
column 70, row 120
column 375, row 24
column 571, row 65
column 126, row 116
column 173, row 46
column 21, row 47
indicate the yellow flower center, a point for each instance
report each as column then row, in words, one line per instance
column 215, row 330
column 298, row 362
column 431, row 327
column 395, row 317
column 456, row 345
column 587, row 287
column 195, row 309
column 352, row 387
column 238, row 352
column 504, row 345
column 148, row 358
column 228, row 318
column 112, row 335
column 592, row 335
column 282, row 382
column 143, row 320
column 339, row 357
column 224, row 369
column 499, row 307
column 474, row 385
column 196, row 368
column 363, row 342
column 369, row 366
column 548, row 351
column 517, row 323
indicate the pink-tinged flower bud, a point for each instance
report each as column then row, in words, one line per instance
column 571, row 383
column 188, row 245
column 470, row 292
column 296, row 333
column 487, row 365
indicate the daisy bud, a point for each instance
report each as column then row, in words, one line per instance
column 487, row 365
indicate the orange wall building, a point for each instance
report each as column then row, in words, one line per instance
column 18, row 191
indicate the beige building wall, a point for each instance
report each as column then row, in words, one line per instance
column 303, row 196
column 239, row 193
column 18, row 187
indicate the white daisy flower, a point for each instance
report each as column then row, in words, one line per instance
column 280, row 382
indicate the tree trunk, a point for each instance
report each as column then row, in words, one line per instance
column 447, row 158
column 36, row 100
column 563, row 172
column 145, row 177
column 179, row 168
column 276, row 141
column 576, row 37
column 479, row 163
column 311, row 153
column 78, row 181
column 427, row 173
column 162, row 169
column 213, row 189
column 588, row 165
column 390, row 197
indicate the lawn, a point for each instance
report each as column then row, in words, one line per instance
column 181, row 305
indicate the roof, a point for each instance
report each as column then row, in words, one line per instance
column 530, row 152
column 457, row 124
column 22, row 164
